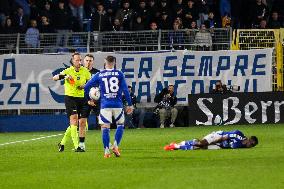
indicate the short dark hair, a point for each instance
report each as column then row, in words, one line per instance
column 110, row 59
column 90, row 55
column 255, row 139
column 75, row 53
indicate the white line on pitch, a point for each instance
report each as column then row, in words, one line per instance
column 28, row 140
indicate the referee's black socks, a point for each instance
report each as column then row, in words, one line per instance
column 82, row 139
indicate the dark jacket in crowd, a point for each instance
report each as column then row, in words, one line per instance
column 100, row 21
column 62, row 19
column 165, row 99
column 133, row 99
column 220, row 90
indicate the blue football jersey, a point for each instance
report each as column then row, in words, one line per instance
column 112, row 84
column 234, row 141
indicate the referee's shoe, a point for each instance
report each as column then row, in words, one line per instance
column 60, row 147
column 79, row 150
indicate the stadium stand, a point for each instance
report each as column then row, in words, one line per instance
column 15, row 16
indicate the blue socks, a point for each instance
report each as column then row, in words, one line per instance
column 118, row 134
column 105, row 137
column 188, row 145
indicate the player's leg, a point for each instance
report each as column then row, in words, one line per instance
column 209, row 139
column 73, row 128
column 188, row 145
column 119, row 119
column 71, row 111
column 129, row 121
column 174, row 113
column 183, row 145
column 105, row 119
column 82, row 133
column 66, row 136
column 84, row 114
column 163, row 115
column 141, row 114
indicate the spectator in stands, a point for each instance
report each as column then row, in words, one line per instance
column 62, row 23
column 178, row 8
column 211, row 22
column 32, row 35
column 179, row 21
column 165, row 109
column 226, row 21
column 263, row 24
column 142, row 12
column 5, row 10
column 190, row 14
column 278, row 6
column 176, row 38
column 153, row 36
column 20, row 20
column 259, row 12
column 45, row 26
column 111, row 6
column 153, row 26
column 203, row 39
column 139, row 24
column 125, row 15
column 138, row 113
column 193, row 25
column 77, row 9
column 274, row 22
column 153, row 11
column 116, row 26
column 25, row 6
column 165, row 9
column 100, row 19
column 46, row 11
column 203, row 9
column 34, row 10
column 219, row 88
column 165, row 21
column 8, row 27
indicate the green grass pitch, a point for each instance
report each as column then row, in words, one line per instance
column 143, row 162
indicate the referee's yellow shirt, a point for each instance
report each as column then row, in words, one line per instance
column 81, row 77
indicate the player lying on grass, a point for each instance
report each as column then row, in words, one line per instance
column 216, row 140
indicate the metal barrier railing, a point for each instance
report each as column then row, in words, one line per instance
column 258, row 39
column 213, row 39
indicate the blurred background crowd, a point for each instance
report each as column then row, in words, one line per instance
column 55, row 16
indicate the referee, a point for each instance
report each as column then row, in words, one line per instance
column 75, row 78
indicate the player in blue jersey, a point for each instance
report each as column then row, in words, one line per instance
column 112, row 84
column 216, row 140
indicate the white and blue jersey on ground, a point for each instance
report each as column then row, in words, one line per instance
column 234, row 140
column 112, row 84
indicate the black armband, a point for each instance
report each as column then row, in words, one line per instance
column 61, row 76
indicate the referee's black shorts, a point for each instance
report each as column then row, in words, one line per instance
column 77, row 105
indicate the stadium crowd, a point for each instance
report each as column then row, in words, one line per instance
column 48, row 16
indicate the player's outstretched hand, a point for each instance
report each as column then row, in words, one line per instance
column 92, row 103
column 129, row 109
column 81, row 87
